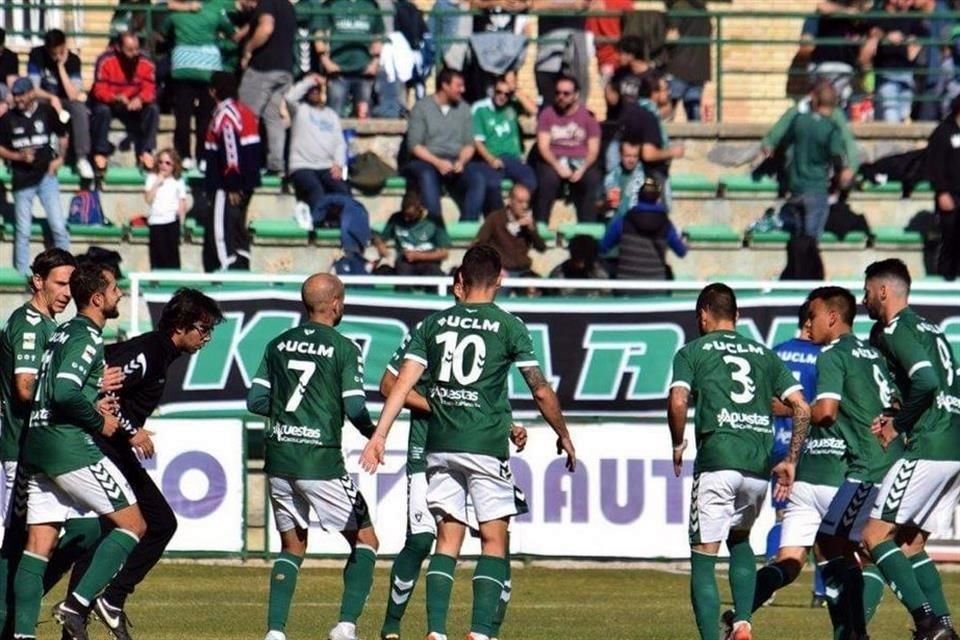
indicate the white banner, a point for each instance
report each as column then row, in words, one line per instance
column 200, row 467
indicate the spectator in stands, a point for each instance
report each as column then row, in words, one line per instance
column 421, row 241
column 496, row 134
column 166, row 193
column 9, row 61
column 55, row 72
column 562, row 49
column 933, row 80
column 943, row 162
column 267, row 63
column 642, row 236
column 624, row 86
column 196, row 56
column 568, row 143
column 440, row 142
column 498, row 44
column 622, row 184
column 892, row 49
column 583, row 264
column 688, row 65
column 512, row 231
column 31, row 140
column 124, row 87
column 838, row 20
column 818, row 153
column 352, row 34
column 232, row 155
column 318, row 152
column 606, row 32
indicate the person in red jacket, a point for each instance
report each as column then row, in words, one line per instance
column 124, row 87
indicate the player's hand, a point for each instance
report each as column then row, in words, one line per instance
column 143, row 444
column 565, row 445
column 678, row 458
column 112, row 379
column 372, row 456
column 108, row 405
column 518, row 436
column 110, row 425
column 882, row 428
column 784, row 472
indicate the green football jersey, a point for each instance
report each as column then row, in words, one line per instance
column 22, row 342
column 733, row 380
column 824, row 457
column 417, row 440
column 910, row 343
column 854, row 374
column 468, row 350
column 63, row 414
column 309, row 370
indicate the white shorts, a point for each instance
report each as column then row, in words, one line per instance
column 452, row 478
column 913, row 490
column 338, row 503
column 419, row 519
column 849, row 510
column 87, row 492
column 724, row 501
column 807, row 506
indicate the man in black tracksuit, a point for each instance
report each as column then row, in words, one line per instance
column 943, row 167
column 186, row 324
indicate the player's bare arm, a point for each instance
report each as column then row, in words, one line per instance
column 549, row 406
column 414, row 400
column 780, row 409
column 23, row 385
column 824, row 412
column 786, row 470
column 677, row 405
column 373, row 453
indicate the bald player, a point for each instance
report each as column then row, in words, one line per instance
column 310, row 377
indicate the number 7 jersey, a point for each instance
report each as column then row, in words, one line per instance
column 732, row 380
column 468, row 350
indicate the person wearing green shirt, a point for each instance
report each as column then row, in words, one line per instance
column 927, row 475
column 421, row 242
column 351, row 33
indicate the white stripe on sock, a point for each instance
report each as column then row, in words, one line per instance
column 36, row 556
column 886, row 555
column 367, row 547
column 494, row 580
column 290, row 562
column 135, row 537
column 440, row 573
column 922, row 562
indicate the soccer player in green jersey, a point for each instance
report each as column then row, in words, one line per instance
column 468, row 350
column 927, row 476
column 67, row 473
column 853, row 388
column 733, row 381
column 310, row 377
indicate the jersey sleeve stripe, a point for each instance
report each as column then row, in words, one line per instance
column 415, row 358
column 683, row 384
column 70, row 376
column 352, row 392
column 392, row 369
column 527, row 363
column 786, row 394
column 20, row 370
column 262, row 382
column 920, row 365
column 830, row 396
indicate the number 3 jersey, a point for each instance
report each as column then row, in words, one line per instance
column 468, row 350
column 732, row 380
column 309, row 371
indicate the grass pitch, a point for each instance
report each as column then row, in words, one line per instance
column 185, row 601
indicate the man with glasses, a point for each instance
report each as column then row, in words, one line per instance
column 186, row 325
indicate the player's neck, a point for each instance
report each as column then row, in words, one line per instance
column 722, row 325
column 38, row 303
column 321, row 318
column 892, row 310
column 95, row 316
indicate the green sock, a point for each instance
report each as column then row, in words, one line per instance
column 929, row 580
column 283, row 582
column 107, row 561
column 28, row 592
column 5, row 592
column 873, row 585
column 439, row 587
column 704, row 594
column 899, row 574
column 488, row 584
column 403, row 578
column 504, row 600
column 357, row 580
column 743, row 578
column 769, row 579
column 79, row 536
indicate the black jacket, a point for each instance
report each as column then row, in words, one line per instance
column 144, row 360
column 943, row 157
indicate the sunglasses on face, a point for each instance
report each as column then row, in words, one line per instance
column 204, row 330
column 503, row 93
column 167, row 162
column 564, row 93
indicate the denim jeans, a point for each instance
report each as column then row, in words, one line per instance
column 816, row 208
column 895, row 100
column 514, row 169
column 141, row 126
column 311, row 185
column 690, row 94
column 468, row 189
column 359, row 88
column 48, row 191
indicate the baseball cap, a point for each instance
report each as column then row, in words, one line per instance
column 21, row 85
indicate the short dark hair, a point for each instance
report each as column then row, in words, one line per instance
column 446, row 76
column 54, row 38
column 584, row 248
column 889, row 268
column 803, row 313
column 86, row 280
column 49, row 260
column 186, row 308
column 632, row 45
column 481, row 266
column 570, row 79
column 3, row 36
column 224, row 85
column 719, row 300
column 411, row 198
column 837, row 299
column 649, row 83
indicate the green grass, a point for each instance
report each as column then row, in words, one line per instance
column 185, row 601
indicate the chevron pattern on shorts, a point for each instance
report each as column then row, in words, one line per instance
column 107, row 483
column 694, row 510
column 855, row 505
column 899, row 487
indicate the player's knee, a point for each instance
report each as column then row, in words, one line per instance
column 420, row 544
column 368, row 538
column 876, row 532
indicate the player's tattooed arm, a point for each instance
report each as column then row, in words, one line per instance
column 801, row 424
column 549, row 406
column 534, row 378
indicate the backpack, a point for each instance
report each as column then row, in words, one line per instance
column 803, row 259
column 369, row 172
column 843, row 220
column 85, row 208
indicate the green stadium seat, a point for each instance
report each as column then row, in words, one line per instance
column 693, row 183
column 378, row 227
column 36, row 231
column 398, row 184
column 768, row 238
column 328, row 235
column 746, row 184
column 96, row 233
column 894, row 188
column 549, row 236
column 853, row 240
column 271, row 182
column 278, row 232
column 139, row 234
column 193, row 231
column 10, row 278
column 712, row 234
column 896, row 236
column 593, row 229
column 119, row 177
column 463, row 232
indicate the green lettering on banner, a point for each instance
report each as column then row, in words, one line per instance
column 644, row 352
column 516, row 386
column 378, row 340
column 748, row 329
